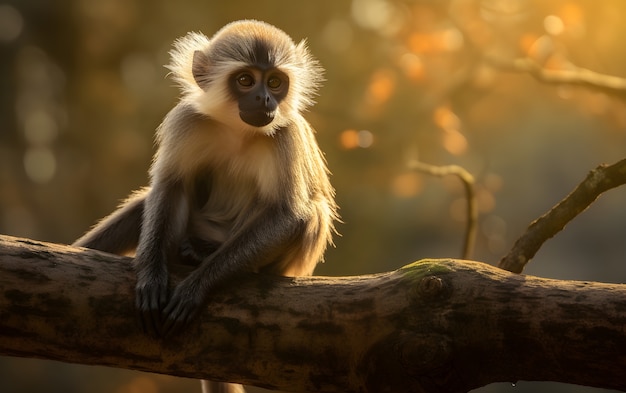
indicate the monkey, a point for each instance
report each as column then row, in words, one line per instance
column 238, row 182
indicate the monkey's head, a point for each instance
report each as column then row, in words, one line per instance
column 250, row 75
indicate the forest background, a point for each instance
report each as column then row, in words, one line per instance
column 82, row 89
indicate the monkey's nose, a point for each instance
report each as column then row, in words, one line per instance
column 265, row 99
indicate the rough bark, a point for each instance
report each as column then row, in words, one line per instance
column 435, row 325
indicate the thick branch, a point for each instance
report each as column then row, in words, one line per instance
column 436, row 325
column 599, row 180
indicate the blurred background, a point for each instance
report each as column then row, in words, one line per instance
column 82, row 89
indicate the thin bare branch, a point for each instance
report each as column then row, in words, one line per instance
column 599, row 180
column 468, row 183
column 577, row 76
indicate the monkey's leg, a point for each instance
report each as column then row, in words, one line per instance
column 117, row 233
column 221, row 387
column 192, row 250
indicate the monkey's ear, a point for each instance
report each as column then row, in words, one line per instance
column 200, row 68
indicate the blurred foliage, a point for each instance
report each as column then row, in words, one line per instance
column 82, row 89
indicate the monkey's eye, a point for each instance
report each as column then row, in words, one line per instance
column 245, row 80
column 274, row 82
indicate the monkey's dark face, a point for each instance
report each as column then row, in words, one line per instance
column 258, row 92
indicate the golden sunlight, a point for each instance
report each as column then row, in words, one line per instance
column 406, row 185
column 381, row 87
column 352, row 139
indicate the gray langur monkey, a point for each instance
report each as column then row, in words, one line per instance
column 238, row 182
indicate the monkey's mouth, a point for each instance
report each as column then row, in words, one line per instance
column 257, row 118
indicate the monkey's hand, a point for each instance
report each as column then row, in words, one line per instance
column 150, row 299
column 184, row 305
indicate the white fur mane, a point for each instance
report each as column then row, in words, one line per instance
column 181, row 61
column 305, row 73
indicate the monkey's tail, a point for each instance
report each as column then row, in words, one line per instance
column 221, row 387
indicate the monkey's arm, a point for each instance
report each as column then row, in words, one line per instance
column 164, row 221
column 118, row 233
column 252, row 247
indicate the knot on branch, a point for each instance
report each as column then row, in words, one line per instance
column 431, row 286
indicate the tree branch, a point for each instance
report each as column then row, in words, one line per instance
column 470, row 196
column 599, row 180
column 433, row 326
column 575, row 76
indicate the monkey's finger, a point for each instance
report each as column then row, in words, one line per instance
column 171, row 322
column 144, row 323
column 138, row 307
column 147, row 324
column 177, row 317
column 158, row 301
column 169, row 328
column 172, row 327
column 148, row 311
